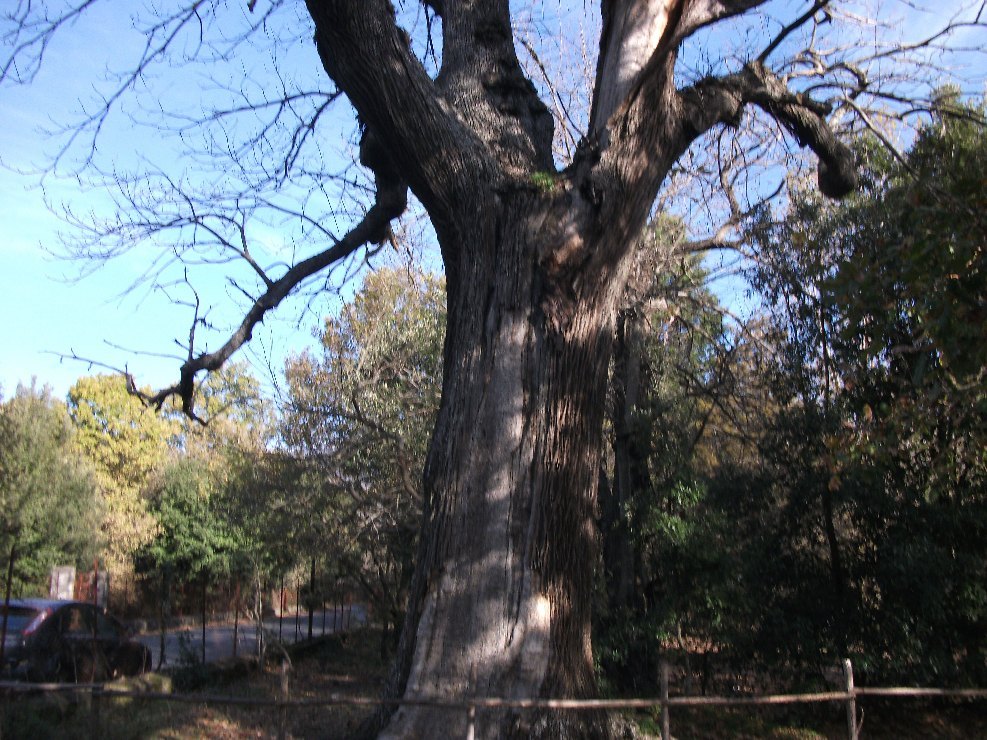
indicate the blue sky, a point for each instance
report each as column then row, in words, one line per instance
column 48, row 312
column 45, row 313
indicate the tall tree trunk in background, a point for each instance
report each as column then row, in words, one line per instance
column 164, row 610
column 6, row 598
column 837, row 570
column 204, row 582
column 620, row 558
column 311, row 599
column 260, row 641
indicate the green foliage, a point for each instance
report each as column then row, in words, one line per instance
column 239, row 486
column 918, row 248
column 262, row 501
column 125, row 440
column 875, row 467
column 915, row 326
column 192, row 542
column 48, row 506
column 546, row 182
column 665, row 566
column 125, row 443
column 360, row 417
column 238, row 417
column 822, row 493
column 915, row 341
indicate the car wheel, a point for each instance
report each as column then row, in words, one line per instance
column 132, row 660
column 41, row 668
column 89, row 666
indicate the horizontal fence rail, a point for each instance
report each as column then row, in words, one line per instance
column 470, row 705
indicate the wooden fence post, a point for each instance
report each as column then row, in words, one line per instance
column 666, row 731
column 471, row 709
column 94, row 719
column 471, row 722
column 851, row 701
column 283, row 708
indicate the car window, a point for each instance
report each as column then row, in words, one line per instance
column 18, row 617
column 108, row 628
column 76, row 622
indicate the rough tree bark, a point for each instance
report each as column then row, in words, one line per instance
column 535, row 264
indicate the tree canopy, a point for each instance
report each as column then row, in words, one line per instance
column 359, row 418
column 49, row 507
column 125, row 444
column 881, row 382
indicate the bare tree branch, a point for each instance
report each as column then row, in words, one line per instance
column 720, row 100
column 391, row 202
column 790, row 28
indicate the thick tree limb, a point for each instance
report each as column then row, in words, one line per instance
column 368, row 57
column 699, row 13
column 632, row 32
column 470, row 31
column 483, row 79
column 638, row 34
column 391, row 202
column 721, row 100
column 803, row 117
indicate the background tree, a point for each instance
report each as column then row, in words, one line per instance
column 359, row 417
column 49, row 509
column 125, row 443
column 261, row 502
column 822, row 530
column 191, row 545
column 881, row 375
column 241, row 418
column 674, row 400
column 241, row 493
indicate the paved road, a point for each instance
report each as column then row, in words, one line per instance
column 219, row 637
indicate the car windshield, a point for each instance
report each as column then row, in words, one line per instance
column 18, row 617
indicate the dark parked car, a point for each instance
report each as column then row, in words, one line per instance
column 50, row 640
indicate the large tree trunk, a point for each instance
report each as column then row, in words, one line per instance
column 502, row 596
column 535, row 261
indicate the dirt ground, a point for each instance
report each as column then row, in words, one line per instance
column 346, row 665
column 350, row 665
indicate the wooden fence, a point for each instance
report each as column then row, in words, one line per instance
column 283, row 703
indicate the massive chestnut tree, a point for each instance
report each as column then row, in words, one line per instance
column 535, row 262
column 536, row 252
